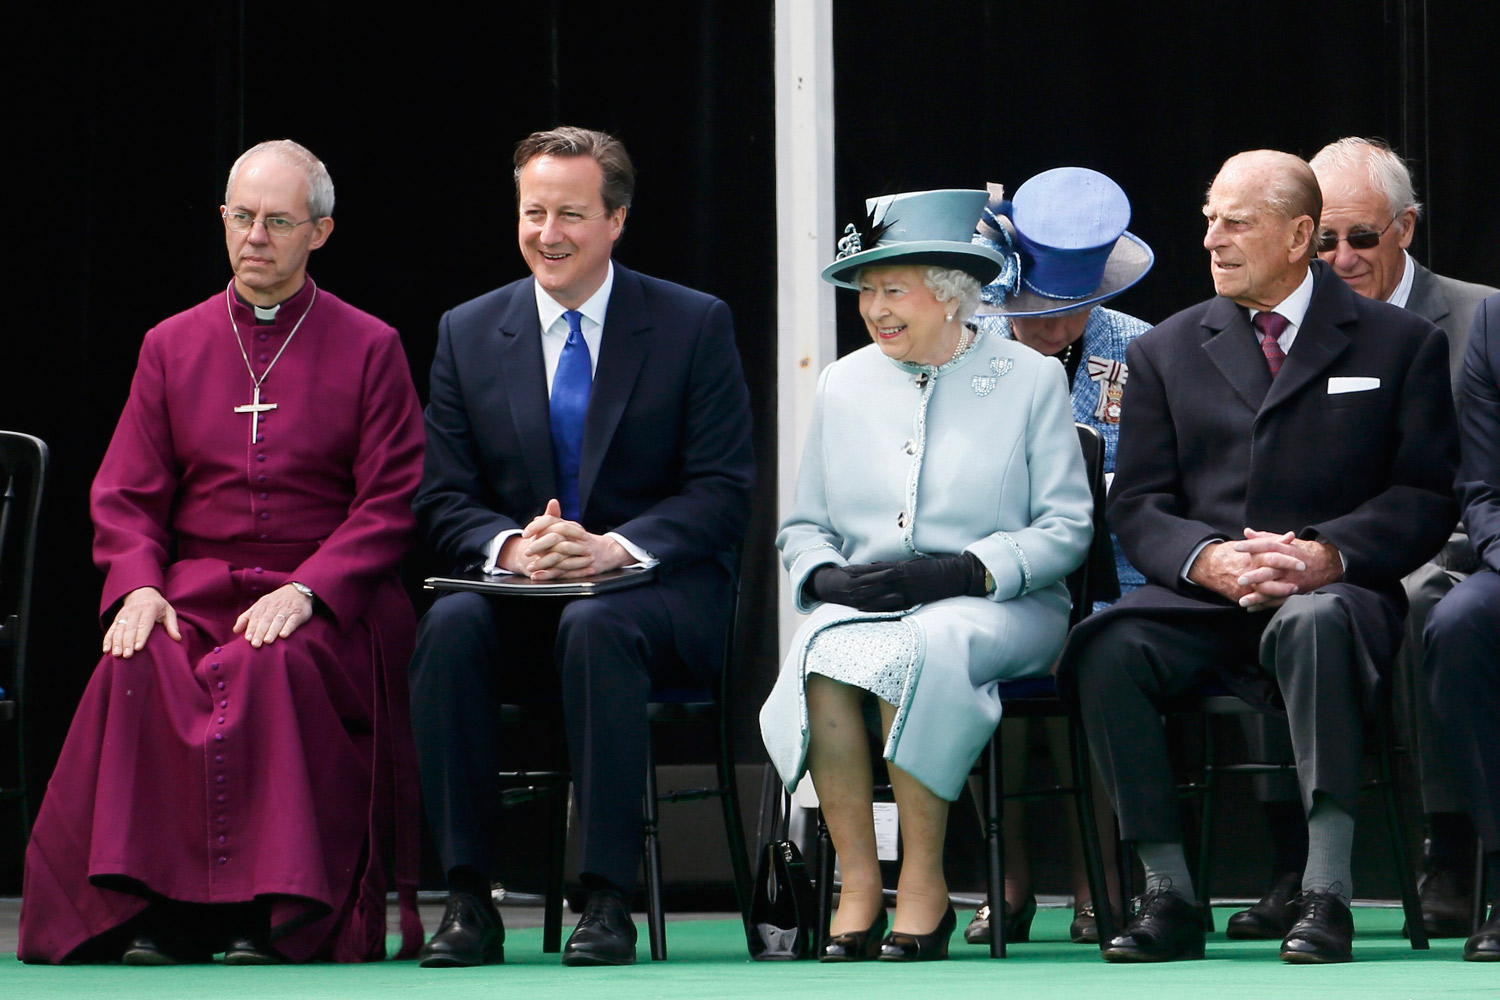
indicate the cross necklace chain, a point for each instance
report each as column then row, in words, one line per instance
column 255, row 407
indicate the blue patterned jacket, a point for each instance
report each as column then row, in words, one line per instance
column 1107, row 335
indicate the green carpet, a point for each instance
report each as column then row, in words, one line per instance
column 707, row 959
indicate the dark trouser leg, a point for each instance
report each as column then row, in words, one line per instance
column 1309, row 648
column 1441, row 789
column 1463, row 666
column 454, row 678
column 1125, row 673
column 609, row 649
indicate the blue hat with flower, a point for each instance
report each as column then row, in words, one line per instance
column 916, row 228
column 1068, row 226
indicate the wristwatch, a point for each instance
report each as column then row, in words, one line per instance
column 304, row 590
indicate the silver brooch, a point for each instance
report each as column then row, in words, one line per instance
column 850, row 243
column 985, row 384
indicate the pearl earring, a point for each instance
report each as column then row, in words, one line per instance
column 948, row 318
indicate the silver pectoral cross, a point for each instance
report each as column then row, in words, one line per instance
column 255, row 408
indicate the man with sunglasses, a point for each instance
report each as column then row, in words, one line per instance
column 233, row 778
column 1368, row 220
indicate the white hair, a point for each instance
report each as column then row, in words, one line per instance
column 293, row 154
column 1387, row 172
column 949, row 284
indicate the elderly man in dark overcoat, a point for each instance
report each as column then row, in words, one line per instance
column 1286, row 455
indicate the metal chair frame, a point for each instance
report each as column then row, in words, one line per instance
column 673, row 706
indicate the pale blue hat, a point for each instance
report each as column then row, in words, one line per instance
column 916, row 228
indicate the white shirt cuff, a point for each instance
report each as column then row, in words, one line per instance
column 492, row 552
column 642, row 558
column 1188, row 566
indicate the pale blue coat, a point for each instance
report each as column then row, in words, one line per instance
column 983, row 458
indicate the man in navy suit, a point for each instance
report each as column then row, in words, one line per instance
column 581, row 420
column 1463, row 632
column 1286, row 456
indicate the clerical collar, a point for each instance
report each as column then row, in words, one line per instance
column 594, row 307
column 270, row 315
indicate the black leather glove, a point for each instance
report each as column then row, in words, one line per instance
column 892, row 586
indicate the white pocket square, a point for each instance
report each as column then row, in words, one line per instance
column 1352, row 383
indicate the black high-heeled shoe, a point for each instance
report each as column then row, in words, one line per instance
column 900, row 947
column 856, row 946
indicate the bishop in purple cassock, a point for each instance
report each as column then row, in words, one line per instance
column 239, row 775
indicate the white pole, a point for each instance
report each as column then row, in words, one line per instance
column 804, row 238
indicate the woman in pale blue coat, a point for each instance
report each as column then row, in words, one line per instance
column 941, row 502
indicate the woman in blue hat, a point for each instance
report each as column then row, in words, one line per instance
column 1068, row 226
column 940, row 503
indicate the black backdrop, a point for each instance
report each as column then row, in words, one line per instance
column 124, row 120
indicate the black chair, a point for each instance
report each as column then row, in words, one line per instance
column 1027, row 698
column 707, row 709
column 1212, row 699
column 23, row 466
column 1037, row 698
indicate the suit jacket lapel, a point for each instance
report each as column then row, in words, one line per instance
column 1319, row 340
column 519, row 357
column 621, row 355
column 1232, row 346
column 1427, row 299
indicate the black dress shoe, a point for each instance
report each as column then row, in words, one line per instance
column 1085, row 926
column 469, row 934
column 1323, row 933
column 604, row 935
column 1017, row 923
column 148, row 949
column 900, row 947
column 1484, row 945
column 1272, row 917
column 1445, row 895
column 856, row 946
column 250, row 949
column 1167, row 927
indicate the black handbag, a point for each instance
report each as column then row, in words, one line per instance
column 783, row 909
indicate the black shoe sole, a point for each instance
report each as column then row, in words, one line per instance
column 578, row 957
column 497, row 957
column 1137, row 955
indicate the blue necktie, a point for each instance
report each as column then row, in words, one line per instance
column 570, row 404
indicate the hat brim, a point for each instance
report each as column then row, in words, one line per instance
column 980, row 261
column 1128, row 263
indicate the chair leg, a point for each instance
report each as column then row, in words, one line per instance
column 556, row 860
column 1396, row 826
column 734, row 824
column 994, row 810
column 1481, row 878
column 1205, row 872
column 1088, row 830
column 825, row 886
column 656, row 918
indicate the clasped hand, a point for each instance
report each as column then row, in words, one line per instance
column 552, row 548
column 1262, row 571
column 894, row 586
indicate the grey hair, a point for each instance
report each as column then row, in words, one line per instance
column 292, row 154
column 1387, row 172
column 949, row 284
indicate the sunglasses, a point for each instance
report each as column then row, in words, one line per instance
column 1328, row 242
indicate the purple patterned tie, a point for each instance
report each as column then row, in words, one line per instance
column 1272, row 325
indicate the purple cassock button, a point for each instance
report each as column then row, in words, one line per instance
column 218, row 758
column 265, row 336
column 259, row 438
column 224, row 704
column 264, row 496
column 265, row 516
column 264, row 357
column 223, row 861
column 218, row 737
column 223, row 799
column 216, row 649
column 214, row 666
column 260, row 458
column 219, row 780
column 223, row 839
column 260, row 479
column 221, row 720
column 254, row 590
column 258, row 569
column 221, row 819
column 264, row 537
